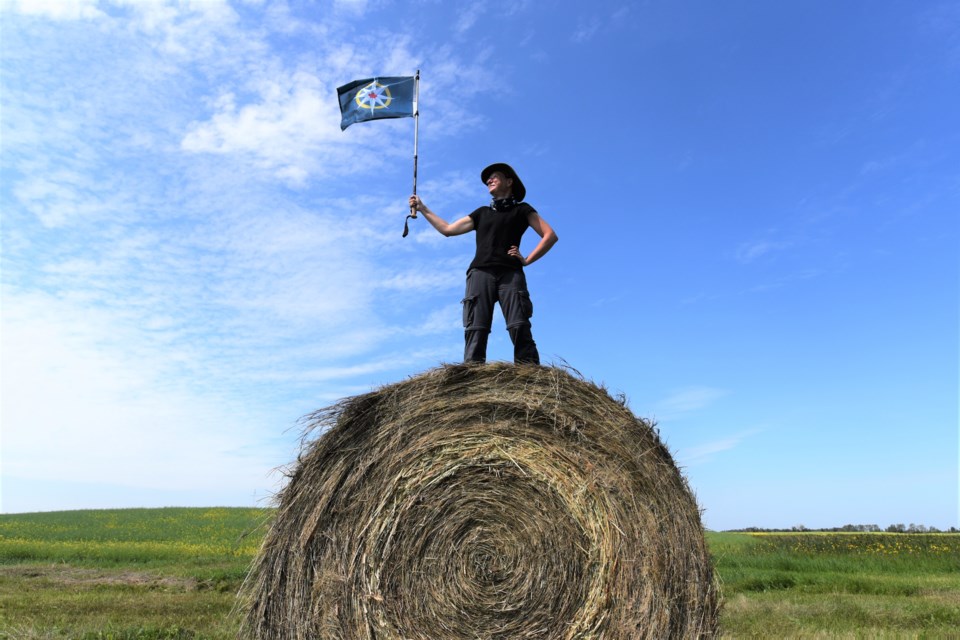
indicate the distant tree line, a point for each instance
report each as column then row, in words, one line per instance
column 857, row 528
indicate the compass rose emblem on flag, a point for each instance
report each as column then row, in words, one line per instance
column 376, row 98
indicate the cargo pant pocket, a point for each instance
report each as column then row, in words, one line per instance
column 526, row 304
column 469, row 308
column 517, row 307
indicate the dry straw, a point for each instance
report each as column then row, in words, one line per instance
column 492, row 501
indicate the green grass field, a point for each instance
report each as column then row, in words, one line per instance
column 125, row 574
column 866, row 585
column 149, row 574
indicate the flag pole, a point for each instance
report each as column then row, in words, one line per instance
column 416, row 131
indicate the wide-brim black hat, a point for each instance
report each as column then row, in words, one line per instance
column 519, row 191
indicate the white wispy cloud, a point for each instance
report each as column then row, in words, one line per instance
column 413, row 281
column 468, row 16
column 687, row 400
column 586, row 29
column 939, row 22
column 292, row 129
column 56, row 9
column 750, row 251
column 352, row 6
column 702, row 453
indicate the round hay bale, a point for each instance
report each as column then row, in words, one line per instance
column 492, row 501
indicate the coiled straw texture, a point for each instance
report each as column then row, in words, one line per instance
column 492, row 501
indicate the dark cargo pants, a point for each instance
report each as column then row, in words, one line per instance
column 485, row 287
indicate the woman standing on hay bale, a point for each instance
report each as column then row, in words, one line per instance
column 496, row 273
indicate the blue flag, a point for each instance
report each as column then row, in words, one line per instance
column 375, row 98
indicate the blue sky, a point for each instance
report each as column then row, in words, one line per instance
column 757, row 206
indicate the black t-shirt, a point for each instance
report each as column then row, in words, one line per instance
column 497, row 231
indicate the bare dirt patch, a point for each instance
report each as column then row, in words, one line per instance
column 76, row 577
